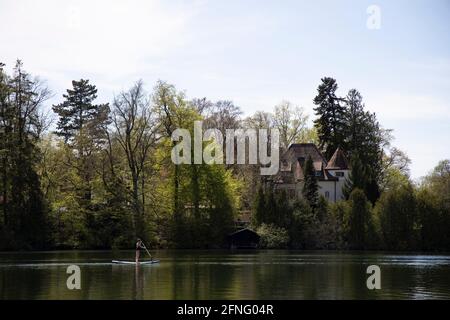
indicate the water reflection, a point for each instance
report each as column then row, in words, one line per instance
column 137, row 290
column 225, row 275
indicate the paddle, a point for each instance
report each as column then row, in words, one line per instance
column 147, row 251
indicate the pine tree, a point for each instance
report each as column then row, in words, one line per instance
column 330, row 117
column 77, row 112
column 271, row 207
column 310, row 188
column 259, row 207
column 363, row 139
column 82, row 125
column 284, row 209
column 357, row 177
column 359, row 220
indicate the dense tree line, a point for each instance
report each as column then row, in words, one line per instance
column 383, row 209
column 24, row 207
column 404, row 218
column 102, row 175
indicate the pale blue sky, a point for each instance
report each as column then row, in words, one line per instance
column 255, row 53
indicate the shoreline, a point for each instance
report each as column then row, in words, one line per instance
column 346, row 251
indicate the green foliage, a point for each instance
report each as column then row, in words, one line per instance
column 343, row 122
column 73, row 180
column 219, row 192
column 207, row 196
column 259, row 207
column 310, row 187
column 438, row 182
column 394, row 179
column 24, row 210
column 322, row 209
column 283, row 209
column 330, row 119
column 302, row 226
column 434, row 221
column 357, row 178
column 363, row 139
column 359, row 220
column 433, row 203
column 397, row 214
column 106, row 178
column 312, row 229
column 77, row 112
column 271, row 207
column 339, row 212
column 272, row 237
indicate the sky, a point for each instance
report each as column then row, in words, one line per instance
column 255, row 53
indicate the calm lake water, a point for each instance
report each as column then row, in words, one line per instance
column 224, row 275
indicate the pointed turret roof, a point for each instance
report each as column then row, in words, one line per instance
column 338, row 161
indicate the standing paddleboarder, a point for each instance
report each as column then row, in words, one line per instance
column 138, row 249
column 139, row 245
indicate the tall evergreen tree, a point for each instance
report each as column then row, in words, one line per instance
column 357, row 177
column 359, row 220
column 5, row 131
column 271, row 207
column 259, row 207
column 330, row 117
column 21, row 98
column 82, row 124
column 310, row 188
column 77, row 113
column 363, row 144
column 284, row 209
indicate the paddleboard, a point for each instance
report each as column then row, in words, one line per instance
column 134, row 263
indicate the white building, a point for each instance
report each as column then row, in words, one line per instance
column 331, row 175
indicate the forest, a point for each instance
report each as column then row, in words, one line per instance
column 90, row 174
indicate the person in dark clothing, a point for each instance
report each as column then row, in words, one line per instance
column 139, row 246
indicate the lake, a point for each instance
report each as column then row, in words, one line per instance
column 263, row 274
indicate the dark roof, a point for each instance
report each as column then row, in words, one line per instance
column 293, row 161
column 301, row 151
column 338, row 161
column 244, row 238
column 245, row 230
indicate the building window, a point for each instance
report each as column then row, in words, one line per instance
column 339, row 174
column 327, row 194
